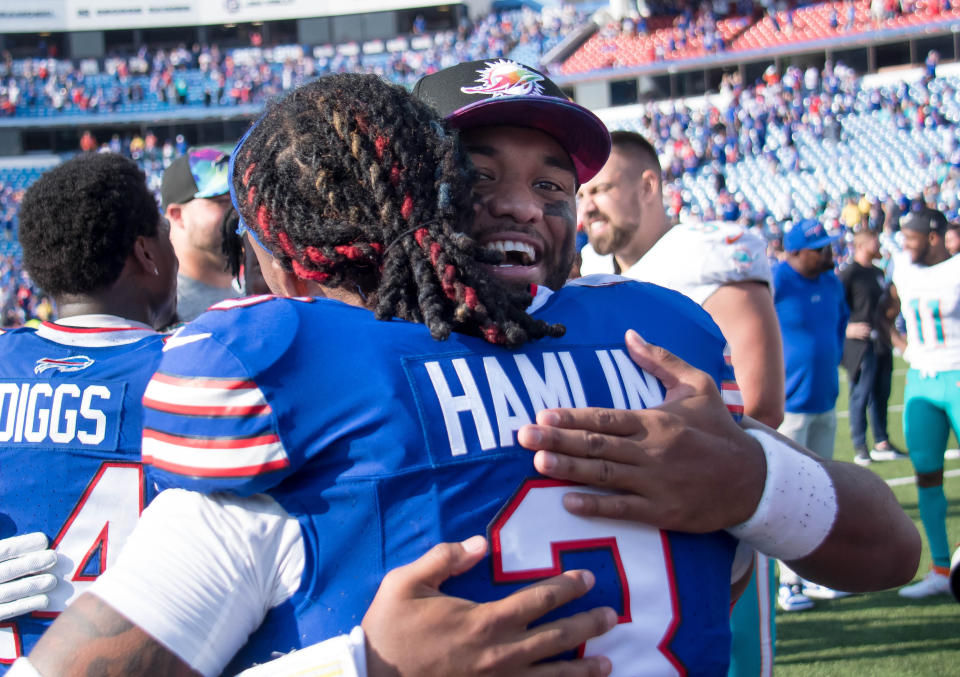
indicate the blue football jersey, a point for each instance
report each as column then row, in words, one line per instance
column 70, row 434
column 383, row 442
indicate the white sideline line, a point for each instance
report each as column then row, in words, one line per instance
column 899, row 481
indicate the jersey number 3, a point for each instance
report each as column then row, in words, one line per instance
column 533, row 530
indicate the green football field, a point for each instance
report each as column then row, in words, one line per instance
column 879, row 633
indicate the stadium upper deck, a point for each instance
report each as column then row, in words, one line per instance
column 602, row 61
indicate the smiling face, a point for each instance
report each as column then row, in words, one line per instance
column 917, row 245
column 524, row 204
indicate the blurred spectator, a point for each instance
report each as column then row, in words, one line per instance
column 88, row 142
column 850, row 215
column 810, row 306
column 867, row 351
column 951, row 240
column 195, row 197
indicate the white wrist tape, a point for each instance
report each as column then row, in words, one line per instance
column 22, row 668
column 343, row 656
column 797, row 508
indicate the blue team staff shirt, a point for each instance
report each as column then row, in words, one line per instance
column 70, row 435
column 813, row 321
column 382, row 442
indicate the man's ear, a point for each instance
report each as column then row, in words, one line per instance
column 145, row 254
column 174, row 214
column 289, row 283
column 650, row 184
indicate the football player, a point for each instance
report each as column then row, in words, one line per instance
column 478, row 396
column 70, row 414
column 350, row 444
column 926, row 290
column 721, row 266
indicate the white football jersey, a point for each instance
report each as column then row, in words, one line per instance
column 930, row 304
column 694, row 259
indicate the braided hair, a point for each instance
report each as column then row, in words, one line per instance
column 351, row 182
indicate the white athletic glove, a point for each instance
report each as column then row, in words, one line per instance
column 23, row 559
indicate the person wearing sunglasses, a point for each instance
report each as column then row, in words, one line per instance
column 813, row 313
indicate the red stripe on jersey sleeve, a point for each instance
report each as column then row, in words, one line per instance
column 213, row 411
column 194, row 471
column 211, row 442
column 223, row 383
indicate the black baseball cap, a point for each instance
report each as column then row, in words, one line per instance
column 504, row 92
column 201, row 172
column 924, row 221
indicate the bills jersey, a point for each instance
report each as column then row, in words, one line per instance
column 70, row 431
column 930, row 305
column 694, row 259
column 382, row 442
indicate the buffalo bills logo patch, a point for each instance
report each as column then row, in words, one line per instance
column 75, row 363
column 506, row 78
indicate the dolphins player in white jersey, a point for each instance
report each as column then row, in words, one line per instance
column 721, row 266
column 926, row 289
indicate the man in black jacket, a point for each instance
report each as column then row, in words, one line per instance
column 867, row 352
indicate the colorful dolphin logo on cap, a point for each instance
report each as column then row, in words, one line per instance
column 506, row 78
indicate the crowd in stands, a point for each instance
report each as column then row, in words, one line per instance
column 699, row 144
column 759, row 121
column 763, row 121
column 668, row 31
column 205, row 75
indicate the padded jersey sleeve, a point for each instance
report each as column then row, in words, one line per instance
column 716, row 254
column 729, row 390
column 208, row 424
column 697, row 259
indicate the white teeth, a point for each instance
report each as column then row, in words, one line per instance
column 505, row 246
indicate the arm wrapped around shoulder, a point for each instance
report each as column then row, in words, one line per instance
column 797, row 508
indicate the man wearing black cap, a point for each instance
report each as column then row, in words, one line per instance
column 195, row 198
column 926, row 290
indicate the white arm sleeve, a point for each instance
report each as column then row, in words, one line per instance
column 200, row 572
column 343, row 656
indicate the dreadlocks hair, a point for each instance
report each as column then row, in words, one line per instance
column 231, row 243
column 79, row 222
column 351, row 182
